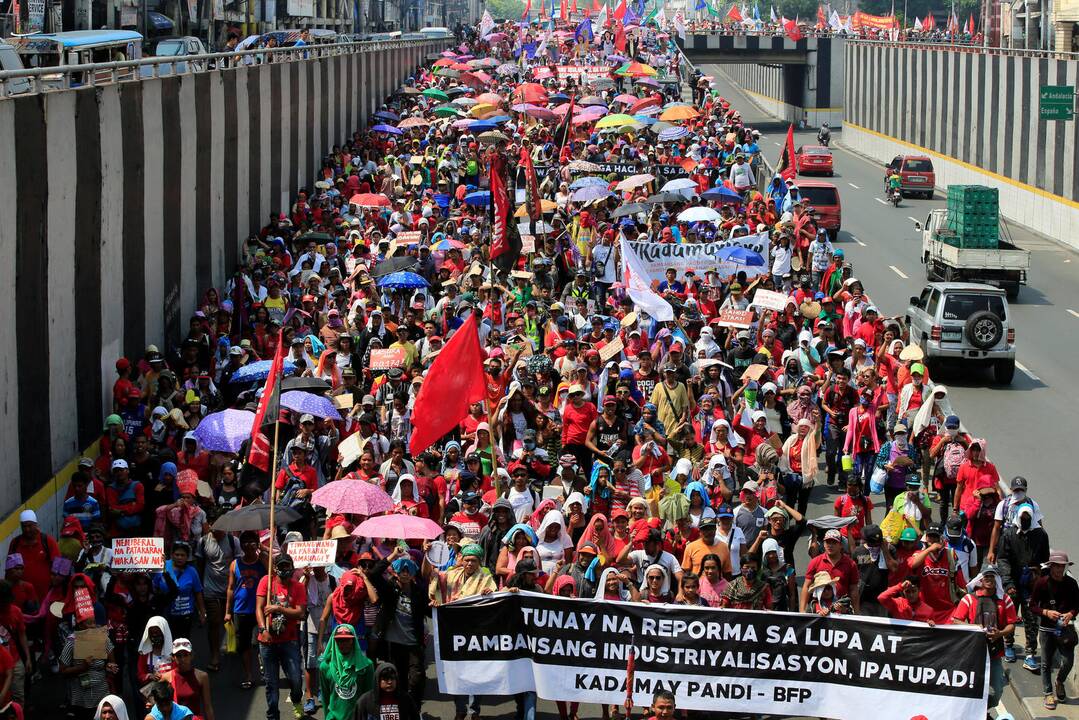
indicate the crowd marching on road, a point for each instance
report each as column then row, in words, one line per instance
column 652, row 439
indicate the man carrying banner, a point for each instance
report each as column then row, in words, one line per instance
column 988, row 606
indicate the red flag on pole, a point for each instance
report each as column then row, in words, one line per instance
column 454, row 382
column 595, row 6
column 619, row 35
column 528, row 9
column 790, row 27
column 619, row 11
column 563, row 10
column 269, row 405
column 500, row 241
column 785, row 167
column 734, row 14
column 822, row 20
column 532, row 190
column 970, row 24
column 573, row 8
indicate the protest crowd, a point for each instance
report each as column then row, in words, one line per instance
column 488, row 350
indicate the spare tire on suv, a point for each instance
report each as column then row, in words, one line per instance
column 984, row 330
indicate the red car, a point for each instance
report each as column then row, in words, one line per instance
column 813, row 159
column 823, row 198
column 916, row 175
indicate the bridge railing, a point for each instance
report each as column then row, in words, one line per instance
column 48, row 79
column 946, row 46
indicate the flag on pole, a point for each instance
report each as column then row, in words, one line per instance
column 583, row 33
column 790, row 29
column 785, row 166
column 563, row 10
column 619, row 10
column 772, row 14
column 564, row 131
column 970, row 24
column 487, row 23
column 631, row 18
column 639, row 284
column 713, row 10
column 528, row 9
column 734, row 14
column 500, row 242
column 822, row 20
column 918, row 24
column 269, row 407
column 454, row 381
column 756, row 13
column 532, row 190
column 679, row 23
column 700, row 5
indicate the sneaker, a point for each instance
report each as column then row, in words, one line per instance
column 297, row 711
column 1031, row 664
column 310, row 706
column 1061, row 694
column 1009, row 653
column 1050, row 702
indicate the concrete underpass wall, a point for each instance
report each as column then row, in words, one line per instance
column 764, row 83
column 977, row 117
column 122, row 204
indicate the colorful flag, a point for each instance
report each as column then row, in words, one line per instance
column 528, row 9
column 790, row 28
column 619, row 10
column 269, row 406
column 454, row 381
column 700, row 5
column 822, row 19
column 639, row 285
column 734, row 14
column 679, row 24
column 785, row 166
column 487, row 23
column 583, row 33
column 500, row 242
column 772, row 14
column 714, row 11
column 563, row 10
column 970, row 24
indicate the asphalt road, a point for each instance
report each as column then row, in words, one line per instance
column 1030, row 424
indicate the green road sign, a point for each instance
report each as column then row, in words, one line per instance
column 1056, row 102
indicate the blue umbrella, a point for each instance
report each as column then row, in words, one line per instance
column 481, row 125
column 587, row 181
column 558, row 97
column 481, row 197
column 402, row 280
column 305, row 402
column 387, row 116
column 496, row 119
column 722, row 193
column 590, row 193
column 642, row 118
column 225, row 431
column 740, row 256
column 258, row 370
column 387, row 129
column 672, row 133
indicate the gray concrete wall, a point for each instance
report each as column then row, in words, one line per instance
column 976, row 115
column 122, row 204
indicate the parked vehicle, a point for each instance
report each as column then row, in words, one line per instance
column 1004, row 266
column 916, row 173
column 823, row 199
column 965, row 323
column 78, row 47
column 436, row 33
column 813, row 159
column 177, row 47
column 10, row 60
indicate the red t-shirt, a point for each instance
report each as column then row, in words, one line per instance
column 844, row 572
column 967, row 612
column 36, row 561
column 290, row 594
column 496, row 386
column 575, row 422
column 934, row 585
column 470, row 524
column 307, row 474
column 860, row 507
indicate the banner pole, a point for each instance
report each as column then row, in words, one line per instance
column 273, row 503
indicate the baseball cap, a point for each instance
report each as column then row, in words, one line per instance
column 952, row 422
column 1019, row 483
column 724, row 512
column 917, row 368
column 833, row 534
column 307, row 418
column 909, row 534
column 181, row 645
column 470, row 497
column 914, row 481
column 872, row 534
column 707, row 522
column 119, row 464
column 367, row 400
column 751, row 486
column 954, row 527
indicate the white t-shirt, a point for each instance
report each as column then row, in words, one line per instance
column 551, row 552
column 641, row 561
column 523, row 503
column 734, row 541
column 1013, row 507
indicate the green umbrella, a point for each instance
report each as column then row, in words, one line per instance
column 436, row 94
column 446, row 111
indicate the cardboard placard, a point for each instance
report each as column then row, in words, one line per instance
column 730, row 317
column 343, row 402
column 524, row 347
column 91, row 643
column 143, row 553
column 350, row 449
column 314, row 553
column 528, row 243
column 387, row 358
column 770, row 300
column 611, row 349
column 754, row 372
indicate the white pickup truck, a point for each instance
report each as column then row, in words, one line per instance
column 1004, row 266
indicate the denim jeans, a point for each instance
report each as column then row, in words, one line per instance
column 864, row 462
column 833, row 452
column 275, row 657
column 1050, row 648
column 526, row 705
column 996, row 680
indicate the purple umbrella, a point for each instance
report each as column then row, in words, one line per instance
column 589, row 193
column 303, row 402
column 225, row 431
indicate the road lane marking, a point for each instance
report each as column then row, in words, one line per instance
column 858, row 241
column 899, row 272
column 882, row 202
column 1072, row 312
column 775, row 143
column 1025, row 369
column 854, row 186
column 912, row 219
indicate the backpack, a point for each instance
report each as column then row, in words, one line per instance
column 951, row 459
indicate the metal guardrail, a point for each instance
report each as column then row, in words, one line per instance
column 979, row 49
column 17, row 83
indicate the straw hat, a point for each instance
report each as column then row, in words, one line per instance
column 810, row 309
column 821, row 579
column 911, row 352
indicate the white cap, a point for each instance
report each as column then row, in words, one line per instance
column 181, row 645
column 119, row 464
column 28, row 516
column 307, row 417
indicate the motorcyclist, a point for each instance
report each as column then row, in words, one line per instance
column 892, row 184
column 824, row 134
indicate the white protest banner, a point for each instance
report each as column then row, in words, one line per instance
column 699, row 257
column 528, row 244
column 770, row 300
column 314, row 553
column 141, row 553
column 408, row 237
column 712, row 660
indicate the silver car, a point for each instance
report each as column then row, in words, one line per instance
column 964, row 323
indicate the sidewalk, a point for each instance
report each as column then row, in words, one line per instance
column 1027, row 689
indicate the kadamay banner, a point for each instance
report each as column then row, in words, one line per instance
column 699, row 257
column 712, row 660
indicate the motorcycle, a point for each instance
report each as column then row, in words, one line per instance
column 894, row 196
column 824, row 136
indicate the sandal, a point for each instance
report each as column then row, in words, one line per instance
column 1050, row 702
column 247, row 685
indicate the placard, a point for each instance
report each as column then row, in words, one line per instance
column 313, row 553
column 408, row 237
column 611, row 349
column 770, row 300
column 92, row 643
column 143, row 553
column 700, row 257
column 528, row 243
column 350, row 449
column 343, row 401
column 386, row 358
column 754, row 372
column 731, row 317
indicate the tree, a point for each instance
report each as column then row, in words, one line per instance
column 506, row 9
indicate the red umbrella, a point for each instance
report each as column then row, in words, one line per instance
column 401, row 527
column 443, row 62
column 370, row 200
column 642, row 104
column 531, row 93
column 463, row 67
column 352, row 496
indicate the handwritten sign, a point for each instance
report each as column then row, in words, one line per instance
column 143, row 553
column 409, row 237
column 528, row 243
column 316, row 553
column 387, row 358
column 343, row 402
column 735, row 318
column 91, row 643
column 770, row 300
column 611, row 350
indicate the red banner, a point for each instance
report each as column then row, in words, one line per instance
column 500, row 202
column 532, row 190
column 860, row 20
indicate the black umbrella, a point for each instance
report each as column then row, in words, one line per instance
column 630, row 209
column 306, row 384
column 255, row 517
column 666, row 197
column 393, row 265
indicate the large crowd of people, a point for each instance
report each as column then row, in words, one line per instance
column 615, row 456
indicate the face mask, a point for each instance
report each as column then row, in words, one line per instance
column 1018, row 495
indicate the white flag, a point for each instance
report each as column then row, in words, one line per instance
column 680, row 25
column 487, row 23
column 773, row 14
column 833, row 21
column 918, row 24
column 639, row 284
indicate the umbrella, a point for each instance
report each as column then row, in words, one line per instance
column 352, row 496
column 660, row 126
column 721, row 193
column 490, row 97
column 493, row 136
column 443, row 62
column 480, row 108
column 592, row 100
column 402, row 280
column 589, row 193
column 436, row 94
column 698, row 214
column 558, row 98
column 678, row 184
column 259, row 370
column 464, row 102
column 403, row 527
column 740, row 256
column 546, row 206
column 651, row 82
column 647, row 112
column 387, row 116
column 457, row 90
column 446, row 111
column 539, row 113
column 481, row 197
column 665, row 197
column 392, row 265
column 370, row 200
column 305, row 402
column 583, row 166
column 413, row 122
column 497, row 119
column 462, row 124
column 626, row 98
column 225, row 431
column 672, row 133
column 447, row 244
column 531, row 93
column 629, row 209
column 679, row 112
column 586, row 181
column 307, row 384
column 508, row 69
column 644, row 119
column 408, row 91
column 254, row 517
column 636, row 69
column 448, row 72
column 635, row 181
column 645, row 103
column 616, row 120
column 564, row 108
column 481, row 125
column 388, row 129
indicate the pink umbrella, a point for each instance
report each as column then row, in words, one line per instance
column 540, row 113
column 402, row 527
column 563, row 109
column 626, row 98
column 352, row 496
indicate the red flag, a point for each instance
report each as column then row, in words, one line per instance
column 822, row 21
column 528, row 9
column 785, row 168
column 574, row 7
column 790, row 27
column 563, row 11
column 500, row 241
column 595, row 5
column 532, row 190
column 269, row 404
column 734, row 14
column 543, row 9
column 970, row 24
column 930, row 23
column 619, row 11
column 454, row 382
column 565, row 128
column 620, row 34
